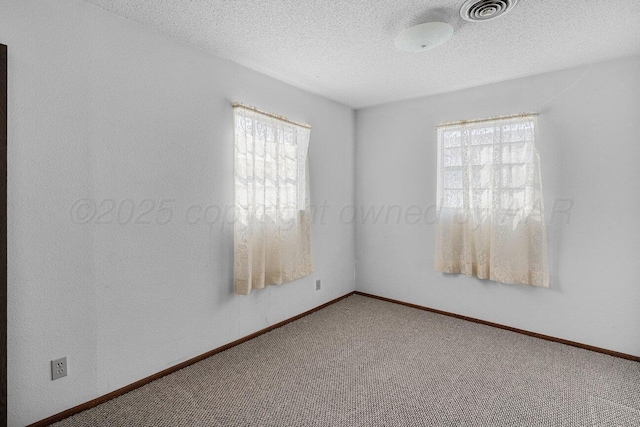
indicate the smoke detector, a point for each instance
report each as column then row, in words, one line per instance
column 485, row 10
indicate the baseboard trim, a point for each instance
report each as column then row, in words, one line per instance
column 102, row 399
column 508, row 328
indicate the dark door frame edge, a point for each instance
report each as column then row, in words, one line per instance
column 3, row 233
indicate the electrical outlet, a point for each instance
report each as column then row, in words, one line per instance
column 318, row 285
column 58, row 368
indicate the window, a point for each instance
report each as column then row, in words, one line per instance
column 272, row 224
column 490, row 212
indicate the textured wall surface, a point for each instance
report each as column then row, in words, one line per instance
column 589, row 154
column 120, row 173
column 105, row 111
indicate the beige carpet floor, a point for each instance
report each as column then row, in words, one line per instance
column 365, row 362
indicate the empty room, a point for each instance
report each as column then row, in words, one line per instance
column 320, row 213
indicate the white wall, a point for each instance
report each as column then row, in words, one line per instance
column 590, row 153
column 104, row 109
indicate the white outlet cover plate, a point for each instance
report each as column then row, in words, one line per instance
column 58, row 368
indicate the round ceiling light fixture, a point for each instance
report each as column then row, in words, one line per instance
column 485, row 10
column 424, row 36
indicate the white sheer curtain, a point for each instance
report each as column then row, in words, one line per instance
column 491, row 218
column 272, row 226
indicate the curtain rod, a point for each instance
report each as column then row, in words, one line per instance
column 275, row 116
column 487, row 119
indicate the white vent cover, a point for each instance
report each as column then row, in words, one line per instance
column 485, row 10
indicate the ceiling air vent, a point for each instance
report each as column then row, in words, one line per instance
column 485, row 10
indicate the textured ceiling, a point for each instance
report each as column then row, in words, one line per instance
column 344, row 49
